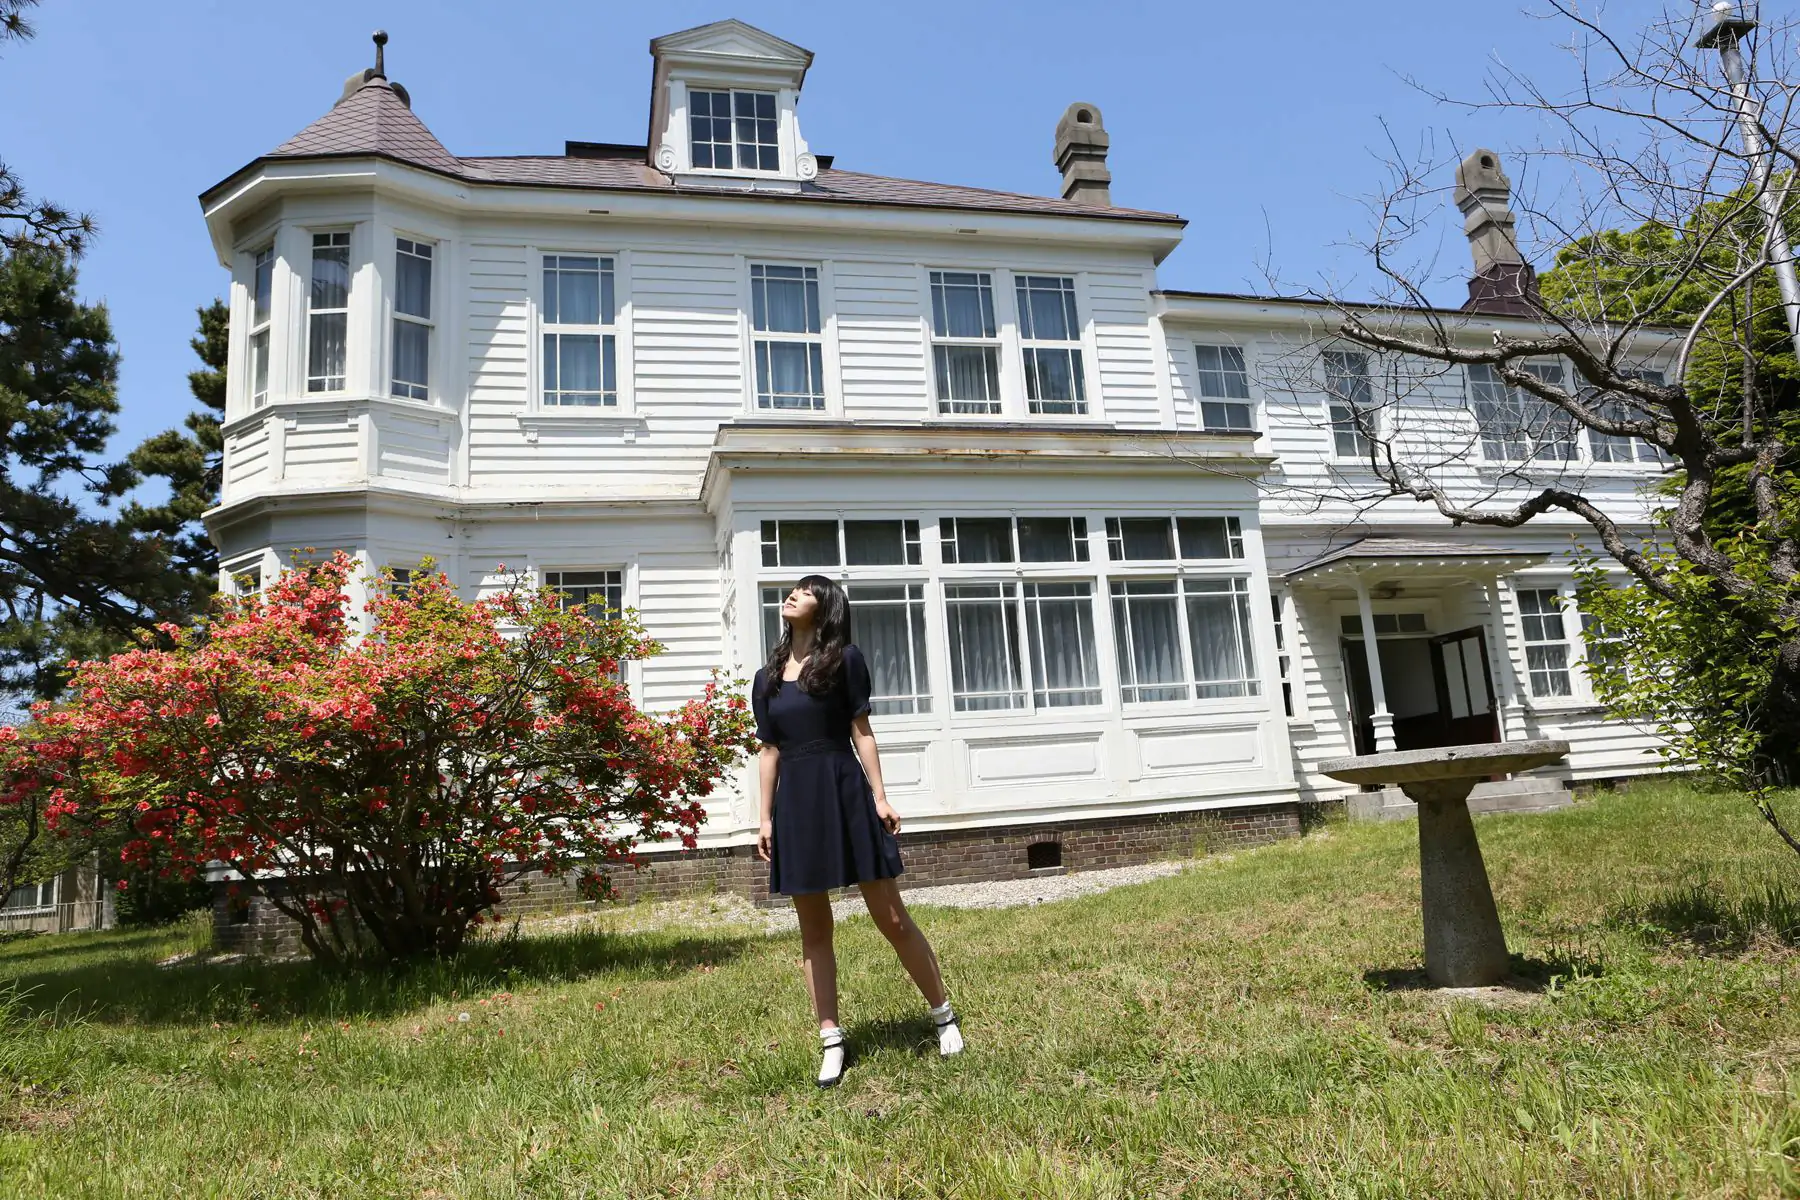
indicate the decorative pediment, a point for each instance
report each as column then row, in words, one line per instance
column 733, row 42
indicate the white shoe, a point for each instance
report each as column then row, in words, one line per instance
column 831, row 1064
column 949, row 1033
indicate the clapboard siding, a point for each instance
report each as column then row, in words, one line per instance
column 1124, row 348
column 246, row 458
column 411, row 448
column 322, row 446
column 880, row 316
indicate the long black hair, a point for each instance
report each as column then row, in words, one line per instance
column 831, row 633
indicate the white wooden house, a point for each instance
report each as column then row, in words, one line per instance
column 1071, row 509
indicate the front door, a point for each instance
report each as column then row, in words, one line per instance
column 1465, row 688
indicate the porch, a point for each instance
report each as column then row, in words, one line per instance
column 1419, row 634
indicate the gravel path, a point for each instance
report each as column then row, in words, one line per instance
column 725, row 912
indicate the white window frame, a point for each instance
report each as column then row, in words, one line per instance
column 687, row 132
column 1203, row 398
column 1346, row 417
column 819, row 341
column 261, row 325
column 995, row 345
column 1074, row 345
column 1565, row 609
column 1522, row 444
column 349, row 248
column 40, row 906
column 406, row 244
column 1602, row 446
column 552, row 577
column 608, row 262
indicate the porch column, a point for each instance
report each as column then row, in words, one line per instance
column 1381, row 721
column 1508, row 715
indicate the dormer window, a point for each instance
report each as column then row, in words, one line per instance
column 733, row 130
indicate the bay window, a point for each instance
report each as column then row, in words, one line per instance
column 262, row 291
column 328, row 312
column 412, row 319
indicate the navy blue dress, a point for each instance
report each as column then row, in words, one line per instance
column 826, row 832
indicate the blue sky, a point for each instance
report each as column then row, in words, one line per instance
column 1263, row 125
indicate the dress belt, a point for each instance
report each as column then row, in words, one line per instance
column 818, row 746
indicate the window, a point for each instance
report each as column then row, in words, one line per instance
column 727, row 128
column 262, row 291
column 580, row 347
column 1053, row 539
column 887, row 622
column 976, row 539
column 247, row 581
column 1050, row 335
column 1604, row 650
column 601, row 593
column 983, row 623
column 881, row 543
column 790, row 356
column 1152, row 539
column 801, row 544
column 1515, row 425
column 400, row 581
column 31, row 897
column 1181, row 639
column 1612, row 448
column 1224, row 388
column 965, row 345
column 1282, row 659
column 1350, row 402
column 1546, row 645
column 1059, row 622
column 1385, row 622
column 328, row 312
column 412, row 319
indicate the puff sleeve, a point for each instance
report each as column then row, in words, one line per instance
column 857, row 684
column 759, row 705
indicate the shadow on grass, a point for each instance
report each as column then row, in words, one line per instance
column 1523, row 974
column 1712, row 917
column 43, row 947
column 914, row 1035
column 138, row 991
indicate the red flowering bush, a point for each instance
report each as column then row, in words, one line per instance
column 378, row 789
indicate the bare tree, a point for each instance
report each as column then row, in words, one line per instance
column 1662, row 303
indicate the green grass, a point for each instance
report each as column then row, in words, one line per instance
column 1249, row 1028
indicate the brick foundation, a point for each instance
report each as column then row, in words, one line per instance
column 952, row 856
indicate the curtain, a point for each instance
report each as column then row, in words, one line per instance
column 1146, row 619
column 889, row 622
column 1060, row 620
column 984, row 645
column 968, row 378
column 412, row 359
column 325, row 351
column 1219, row 631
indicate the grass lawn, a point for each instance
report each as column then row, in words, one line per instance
column 1247, row 1028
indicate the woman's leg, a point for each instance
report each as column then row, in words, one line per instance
column 818, row 957
column 896, row 924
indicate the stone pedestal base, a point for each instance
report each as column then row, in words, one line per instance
column 1464, row 946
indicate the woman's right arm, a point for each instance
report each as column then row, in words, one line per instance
column 768, row 768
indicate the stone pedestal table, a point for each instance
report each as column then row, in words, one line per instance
column 1463, row 943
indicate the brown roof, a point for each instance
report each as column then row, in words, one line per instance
column 371, row 120
column 1405, row 547
column 375, row 122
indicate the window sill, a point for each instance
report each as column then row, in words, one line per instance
column 628, row 424
column 1565, row 707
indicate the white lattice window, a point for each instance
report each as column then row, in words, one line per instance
column 1546, row 642
column 1224, row 388
column 1515, row 425
column 733, row 131
column 1350, row 402
column 262, row 294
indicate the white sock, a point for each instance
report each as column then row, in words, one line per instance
column 831, row 1063
column 950, row 1039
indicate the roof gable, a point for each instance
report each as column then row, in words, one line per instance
column 731, row 39
column 374, row 120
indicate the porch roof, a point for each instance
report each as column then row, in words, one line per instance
column 1389, row 555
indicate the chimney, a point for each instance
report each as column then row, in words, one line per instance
column 1503, row 282
column 1081, row 144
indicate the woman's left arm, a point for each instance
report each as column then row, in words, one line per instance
column 863, row 738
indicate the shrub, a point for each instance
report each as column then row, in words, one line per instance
column 378, row 789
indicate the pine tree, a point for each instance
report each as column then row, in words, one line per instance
column 191, row 462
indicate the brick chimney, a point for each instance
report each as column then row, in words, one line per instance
column 1503, row 282
column 1081, row 145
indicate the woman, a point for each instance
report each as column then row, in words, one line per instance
column 826, row 822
